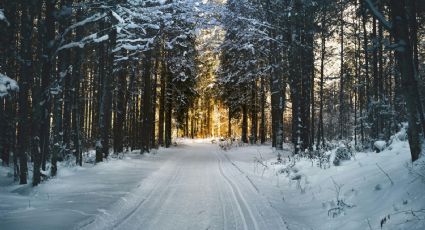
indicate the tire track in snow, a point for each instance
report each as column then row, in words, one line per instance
column 150, row 197
column 223, row 208
column 245, row 212
column 242, row 172
column 106, row 222
column 283, row 223
column 147, row 206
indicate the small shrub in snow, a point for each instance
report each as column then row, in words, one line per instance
column 323, row 159
column 229, row 143
column 342, row 154
column 401, row 136
column 225, row 144
column 341, row 205
column 359, row 147
column 260, row 162
column 69, row 161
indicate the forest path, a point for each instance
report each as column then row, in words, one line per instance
column 197, row 187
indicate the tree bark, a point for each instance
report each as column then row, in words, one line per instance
column 162, row 105
column 404, row 56
column 263, row 112
column 168, row 109
column 121, row 110
column 147, row 104
column 244, row 124
column 24, row 84
column 254, row 116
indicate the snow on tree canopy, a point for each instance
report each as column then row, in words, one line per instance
column 7, row 85
column 2, row 17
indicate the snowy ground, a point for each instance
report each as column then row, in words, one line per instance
column 306, row 196
column 198, row 186
column 74, row 195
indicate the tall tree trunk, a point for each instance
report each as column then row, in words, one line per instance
column 254, row 116
column 313, row 114
column 121, row 110
column 375, row 72
column 276, row 85
column 75, row 90
column 154, row 104
column 277, row 104
column 37, row 105
column 162, row 105
column 341, row 76
column 65, row 60
column 413, row 30
column 102, row 132
column 244, row 124
column 147, row 104
column 24, row 84
column 168, row 109
column 10, row 64
column 381, row 96
column 308, row 82
column 263, row 112
column 366, row 68
column 106, row 72
column 409, row 82
column 229, row 123
column 320, row 133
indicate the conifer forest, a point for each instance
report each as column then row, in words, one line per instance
column 212, row 114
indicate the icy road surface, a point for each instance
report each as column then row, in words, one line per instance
column 197, row 187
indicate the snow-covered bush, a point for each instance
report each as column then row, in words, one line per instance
column 379, row 146
column 342, row 154
column 229, row 143
column 401, row 135
column 323, row 159
column 69, row 161
column 226, row 143
column 7, row 85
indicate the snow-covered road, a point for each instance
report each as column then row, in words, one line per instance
column 197, row 187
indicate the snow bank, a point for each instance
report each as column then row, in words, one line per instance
column 7, row 85
column 75, row 194
column 370, row 191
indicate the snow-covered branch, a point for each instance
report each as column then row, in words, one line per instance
column 3, row 18
column 87, row 40
column 7, row 85
column 93, row 18
column 378, row 15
